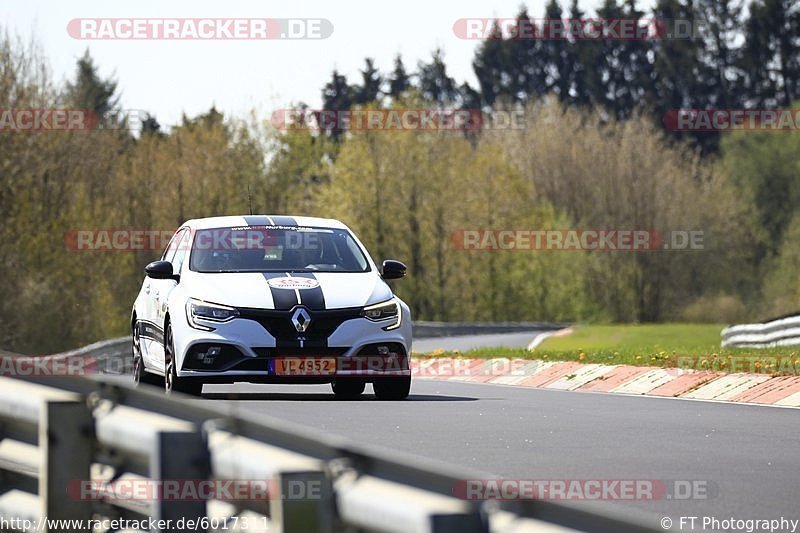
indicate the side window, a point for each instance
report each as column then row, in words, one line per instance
column 172, row 247
column 180, row 254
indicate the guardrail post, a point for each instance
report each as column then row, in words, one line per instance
column 181, row 456
column 305, row 502
column 66, row 442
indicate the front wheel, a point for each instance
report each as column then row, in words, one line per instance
column 140, row 374
column 392, row 388
column 172, row 383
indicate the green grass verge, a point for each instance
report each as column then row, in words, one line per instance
column 660, row 345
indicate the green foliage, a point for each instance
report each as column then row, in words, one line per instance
column 720, row 308
column 89, row 91
column 406, row 193
column 764, row 167
column 683, row 346
column 782, row 281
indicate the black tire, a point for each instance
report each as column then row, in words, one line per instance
column 345, row 389
column 140, row 374
column 392, row 388
column 172, row 383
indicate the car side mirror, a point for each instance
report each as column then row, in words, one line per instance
column 160, row 270
column 393, row 269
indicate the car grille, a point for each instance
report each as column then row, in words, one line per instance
column 279, row 325
column 300, row 352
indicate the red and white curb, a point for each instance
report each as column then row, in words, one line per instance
column 624, row 379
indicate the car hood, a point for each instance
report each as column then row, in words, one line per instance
column 284, row 291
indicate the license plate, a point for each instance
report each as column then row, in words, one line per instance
column 305, row 366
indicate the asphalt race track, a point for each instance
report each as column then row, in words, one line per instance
column 747, row 455
column 468, row 342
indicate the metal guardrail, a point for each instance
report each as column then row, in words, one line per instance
column 424, row 329
column 112, row 356
column 783, row 331
column 56, row 431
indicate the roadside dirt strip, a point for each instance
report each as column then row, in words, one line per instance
column 763, row 389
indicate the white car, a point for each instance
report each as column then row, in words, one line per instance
column 269, row 299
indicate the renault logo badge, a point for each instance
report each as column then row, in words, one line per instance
column 301, row 320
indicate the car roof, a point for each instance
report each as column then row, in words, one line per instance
column 261, row 220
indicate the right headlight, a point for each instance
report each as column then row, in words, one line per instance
column 198, row 310
column 388, row 310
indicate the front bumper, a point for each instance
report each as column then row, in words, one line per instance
column 249, row 348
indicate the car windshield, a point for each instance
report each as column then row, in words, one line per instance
column 276, row 249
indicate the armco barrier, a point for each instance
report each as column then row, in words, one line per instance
column 784, row 331
column 424, row 329
column 55, row 431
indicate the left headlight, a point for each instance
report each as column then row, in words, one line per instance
column 208, row 312
column 385, row 311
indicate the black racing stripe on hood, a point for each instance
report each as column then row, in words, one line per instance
column 257, row 220
column 284, row 221
column 283, row 299
column 312, row 298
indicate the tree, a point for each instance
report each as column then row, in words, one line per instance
column 399, row 81
column 151, row 126
column 625, row 174
column 489, row 65
column 680, row 72
column 765, row 169
column 210, row 119
column 525, row 65
column 757, row 56
column 770, row 59
column 371, row 82
column 337, row 96
column 434, row 83
column 89, row 91
column 719, row 24
column 578, row 59
column 622, row 80
column 554, row 54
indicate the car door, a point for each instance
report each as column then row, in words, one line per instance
column 166, row 286
column 152, row 328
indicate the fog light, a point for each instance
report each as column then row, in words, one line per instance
column 211, row 353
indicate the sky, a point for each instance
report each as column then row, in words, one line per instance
column 172, row 77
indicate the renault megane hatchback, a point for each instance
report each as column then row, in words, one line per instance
column 271, row 299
